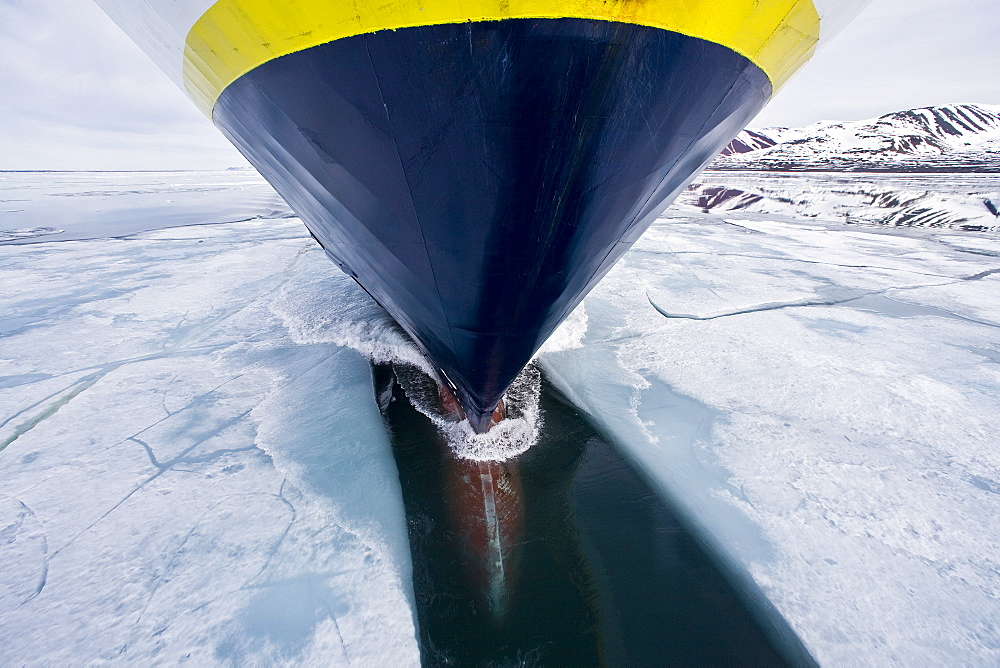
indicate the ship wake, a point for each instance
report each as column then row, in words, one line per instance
column 509, row 438
column 321, row 311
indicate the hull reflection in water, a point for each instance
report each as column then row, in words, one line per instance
column 561, row 556
column 483, row 500
column 486, row 510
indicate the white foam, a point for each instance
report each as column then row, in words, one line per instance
column 333, row 309
column 509, row 438
column 569, row 334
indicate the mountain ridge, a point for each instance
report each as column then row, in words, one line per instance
column 947, row 138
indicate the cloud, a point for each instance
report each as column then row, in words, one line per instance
column 898, row 54
column 78, row 94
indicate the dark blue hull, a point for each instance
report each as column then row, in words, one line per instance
column 478, row 179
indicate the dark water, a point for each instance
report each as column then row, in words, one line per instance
column 596, row 568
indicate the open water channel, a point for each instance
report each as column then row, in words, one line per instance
column 595, row 568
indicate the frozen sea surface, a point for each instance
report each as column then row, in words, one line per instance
column 179, row 479
column 192, row 464
column 58, row 206
column 823, row 401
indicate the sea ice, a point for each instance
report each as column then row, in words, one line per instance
column 823, row 402
column 39, row 206
column 193, row 466
column 180, row 480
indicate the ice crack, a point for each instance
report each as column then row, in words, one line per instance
column 76, row 389
column 774, row 306
column 162, row 468
column 981, row 275
column 10, row 533
column 179, row 346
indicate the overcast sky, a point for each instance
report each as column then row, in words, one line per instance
column 75, row 93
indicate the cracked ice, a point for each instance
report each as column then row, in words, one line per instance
column 157, row 499
column 823, row 402
column 192, row 465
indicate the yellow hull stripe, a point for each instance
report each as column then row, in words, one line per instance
column 235, row 36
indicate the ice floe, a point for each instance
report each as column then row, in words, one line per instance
column 179, row 479
column 193, row 466
column 823, row 402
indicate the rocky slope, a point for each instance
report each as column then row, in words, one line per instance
column 952, row 138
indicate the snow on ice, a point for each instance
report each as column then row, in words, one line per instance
column 179, row 480
column 823, row 402
column 193, row 467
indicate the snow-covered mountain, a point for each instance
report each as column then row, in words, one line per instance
column 962, row 137
column 747, row 141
